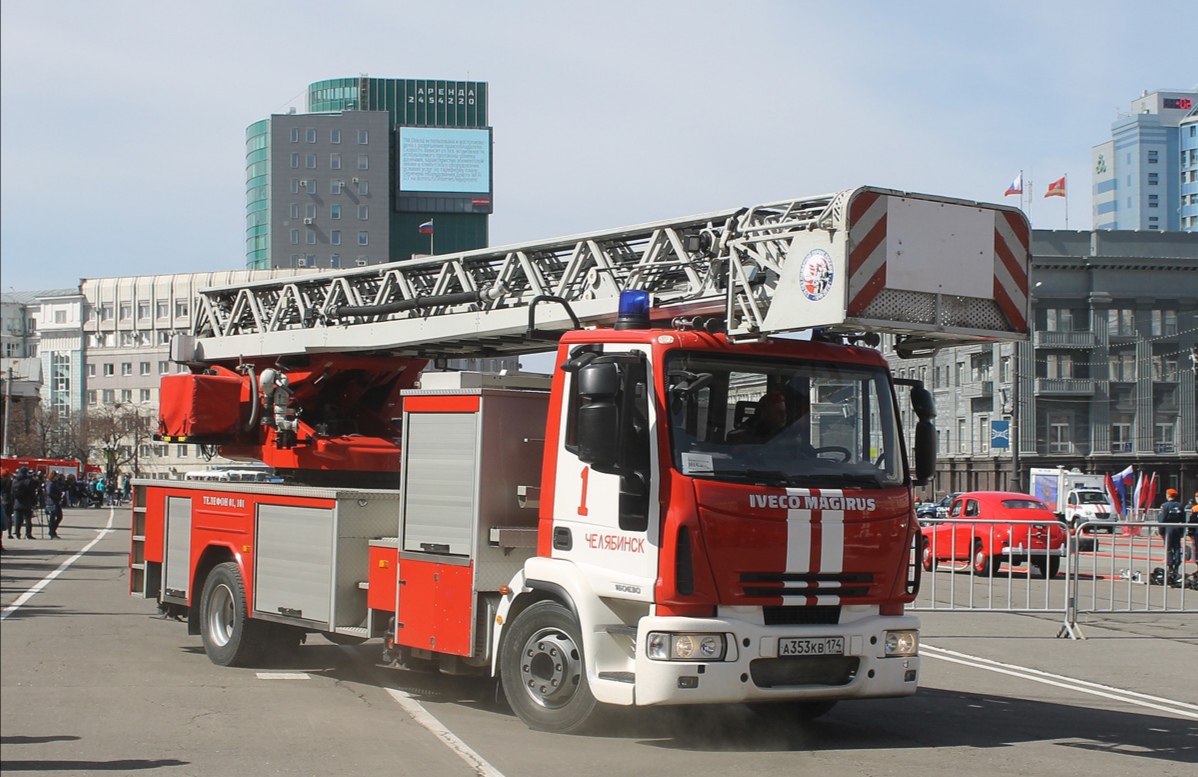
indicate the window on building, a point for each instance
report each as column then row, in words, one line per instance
column 1064, row 320
column 983, row 444
column 144, row 395
column 363, row 188
column 294, row 210
column 164, row 368
column 310, row 211
column 295, row 160
column 108, row 396
column 363, row 137
column 295, row 186
column 1152, row 157
column 143, row 310
column 1164, row 367
column 106, row 312
column 335, row 261
column 334, row 136
column 334, row 161
column 60, row 316
column 295, row 237
column 295, row 134
column 1153, row 179
column 335, row 212
column 336, row 186
column 91, row 397
column 961, row 441
column 1059, row 438
column 363, row 238
column 335, row 237
column 162, row 309
column 1154, row 201
column 181, row 451
column 310, row 134
column 91, row 370
column 1004, row 369
column 126, row 311
column 126, row 369
column 363, row 212
column 310, row 161
column 310, row 237
column 310, row 185
column 164, row 338
column 1165, row 436
column 363, row 162
column 1121, row 322
column 1121, row 433
column 980, row 367
column 1058, row 366
column 143, row 368
column 109, row 370
column 1164, row 323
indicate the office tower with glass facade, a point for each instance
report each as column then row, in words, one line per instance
column 376, row 170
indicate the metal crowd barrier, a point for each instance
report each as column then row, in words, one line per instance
column 1100, row 567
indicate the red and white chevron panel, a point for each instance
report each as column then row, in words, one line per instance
column 868, row 252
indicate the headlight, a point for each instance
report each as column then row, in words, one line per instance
column 902, row 643
column 664, row 646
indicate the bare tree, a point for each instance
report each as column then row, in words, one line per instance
column 117, row 433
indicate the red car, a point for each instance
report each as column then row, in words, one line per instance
column 988, row 528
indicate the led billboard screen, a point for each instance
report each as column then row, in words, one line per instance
column 443, row 169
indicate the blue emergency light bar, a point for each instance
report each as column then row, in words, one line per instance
column 634, row 310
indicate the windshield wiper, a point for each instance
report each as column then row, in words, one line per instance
column 769, row 477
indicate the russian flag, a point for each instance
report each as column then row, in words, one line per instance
column 1016, row 186
column 1113, row 493
column 1124, row 481
column 427, row 227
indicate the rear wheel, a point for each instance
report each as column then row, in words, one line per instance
column 230, row 637
column 542, row 669
column 983, row 564
column 1050, row 565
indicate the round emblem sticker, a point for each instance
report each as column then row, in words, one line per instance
column 815, row 274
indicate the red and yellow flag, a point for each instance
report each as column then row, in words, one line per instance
column 1056, row 188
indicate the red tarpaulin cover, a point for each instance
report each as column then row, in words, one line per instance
column 199, row 405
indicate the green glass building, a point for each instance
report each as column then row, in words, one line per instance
column 377, row 170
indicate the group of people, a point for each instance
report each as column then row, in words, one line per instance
column 1174, row 515
column 25, row 491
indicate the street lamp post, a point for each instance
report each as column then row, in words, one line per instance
column 7, row 409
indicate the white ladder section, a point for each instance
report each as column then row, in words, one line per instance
column 725, row 264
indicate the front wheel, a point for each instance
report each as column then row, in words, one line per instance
column 230, row 637
column 542, row 670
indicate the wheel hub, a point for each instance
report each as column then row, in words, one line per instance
column 550, row 669
column 221, row 615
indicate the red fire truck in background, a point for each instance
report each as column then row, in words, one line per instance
column 690, row 510
column 62, row 466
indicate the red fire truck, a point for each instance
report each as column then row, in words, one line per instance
column 690, row 510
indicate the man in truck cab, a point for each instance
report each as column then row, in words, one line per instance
column 776, row 420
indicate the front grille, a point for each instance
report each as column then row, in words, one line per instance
column 803, row 670
column 798, row 584
column 819, row 615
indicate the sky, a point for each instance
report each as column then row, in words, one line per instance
column 123, row 121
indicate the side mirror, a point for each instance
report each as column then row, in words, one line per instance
column 598, row 422
column 925, row 452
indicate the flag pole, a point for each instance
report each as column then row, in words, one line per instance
column 1029, row 188
column 1066, row 202
column 432, row 231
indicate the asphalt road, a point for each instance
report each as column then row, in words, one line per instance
column 92, row 681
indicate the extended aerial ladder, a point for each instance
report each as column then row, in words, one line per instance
column 880, row 248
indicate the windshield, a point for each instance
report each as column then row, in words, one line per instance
column 782, row 422
column 1091, row 497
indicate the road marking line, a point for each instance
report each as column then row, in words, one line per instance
column 283, row 676
column 463, row 751
column 1060, row 681
column 45, row 581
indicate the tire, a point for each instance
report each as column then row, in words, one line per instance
column 925, row 553
column 1050, row 566
column 793, row 711
column 230, row 637
column 982, row 564
column 542, row 670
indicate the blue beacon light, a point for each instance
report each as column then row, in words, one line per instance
column 634, row 310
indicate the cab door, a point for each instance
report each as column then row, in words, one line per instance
column 606, row 515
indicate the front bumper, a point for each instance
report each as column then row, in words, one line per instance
column 753, row 671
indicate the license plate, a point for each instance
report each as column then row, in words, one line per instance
column 822, row 646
